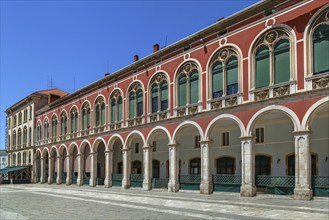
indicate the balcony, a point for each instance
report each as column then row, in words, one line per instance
column 115, row 126
column 99, row 129
column 159, row 116
column 225, row 101
column 318, row 81
column 135, row 121
column 278, row 90
column 189, row 109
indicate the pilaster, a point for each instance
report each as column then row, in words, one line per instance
column 173, row 185
column 206, row 186
column 108, row 168
column 147, row 172
column 248, row 187
column 126, row 168
column 93, row 169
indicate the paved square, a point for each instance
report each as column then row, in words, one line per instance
column 42, row 201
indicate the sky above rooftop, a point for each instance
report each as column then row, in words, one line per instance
column 74, row 43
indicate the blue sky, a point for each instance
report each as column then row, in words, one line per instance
column 75, row 43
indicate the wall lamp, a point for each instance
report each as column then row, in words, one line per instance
column 278, row 161
column 326, row 159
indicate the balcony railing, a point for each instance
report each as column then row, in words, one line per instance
column 135, row 121
column 115, row 125
column 158, row 116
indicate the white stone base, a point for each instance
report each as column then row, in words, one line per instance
column 303, row 194
column 206, row 187
column 173, row 187
column 92, row 182
column 147, row 186
column 248, row 191
column 125, row 184
column 79, row 182
column 107, row 183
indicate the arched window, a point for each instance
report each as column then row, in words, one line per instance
column 224, row 73
column 15, row 120
column 74, row 120
column 20, row 118
column 19, row 137
column 9, row 143
column 19, row 159
column 226, row 165
column 24, row 136
column 272, row 63
column 319, row 44
column 187, row 84
column 30, row 136
column 38, row 134
column 85, row 116
column 14, row 139
column 25, row 115
column 46, row 129
column 195, row 166
column 99, row 112
column 63, row 123
column 135, row 100
column 14, row 160
column 116, row 106
column 30, row 112
column 54, row 126
column 30, row 157
column 159, row 93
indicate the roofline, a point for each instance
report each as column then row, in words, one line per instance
column 205, row 32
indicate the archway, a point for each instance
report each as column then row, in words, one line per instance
column 53, row 165
column 64, row 158
column 45, row 169
column 116, row 164
column 85, row 163
column 99, row 164
column 73, row 168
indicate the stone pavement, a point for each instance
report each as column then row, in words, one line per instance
column 42, row 201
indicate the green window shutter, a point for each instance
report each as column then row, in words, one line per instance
column 154, row 97
column 139, row 102
column 164, row 95
column 321, row 49
column 194, row 88
column 131, row 105
column 282, row 61
column 119, row 108
column 113, row 119
column 76, row 121
column 232, row 76
column 88, row 118
column 84, row 119
column 72, row 122
column 217, row 79
column 182, row 91
column 97, row 115
column 103, row 113
column 262, row 67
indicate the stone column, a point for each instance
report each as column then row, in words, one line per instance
column 248, row 187
column 43, row 171
column 93, row 169
column 59, row 170
column 68, row 169
column 108, row 168
column 126, row 168
column 147, row 167
column 173, row 185
column 81, row 163
column 206, row 186
column 303, row 190
column 34, row 170
column 50, row 170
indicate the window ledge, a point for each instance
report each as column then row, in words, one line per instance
column 318, row 81
column 115, row 125
column 158, row 116
column 136, row 121
column 225, row 101
column 277, row 90
column 188, row 109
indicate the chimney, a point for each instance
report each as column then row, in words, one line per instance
column 135, row 58
column 155, row 47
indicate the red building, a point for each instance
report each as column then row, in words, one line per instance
column 241, row 105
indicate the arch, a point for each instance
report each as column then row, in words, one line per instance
column 311, row 112
column 129, row 87
column 83, row 145
column 131, row 134
column 54, row 114
column 271, row 108
column 99, row 95
column 71, row 147
column 65, row 112
column 54, row 148
column 44, row 151
column 74, row 106
column 293, row 51
column 111, row 141
column 156, row 73
column 113, row 91
column 155, row 129
column 46, row 119
column 61, row 149
column 86, row 101
column 96, row 144
column 182, row 64
column 39, row 122
column 229, row 117
column 38, row 151
column 184, row 124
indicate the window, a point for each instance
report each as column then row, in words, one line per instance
column 46, row 130
column 226, row 165
column 14, row 139
column 9, row 143
column 20, row 118
column 262, row 165
column 224, row 73
column 154, row 146
column 25, row 136
column 272, row 59
column 136, row 148
column 116, row 106
column 85, row 116
column 136, row 167
column 30, row 112
column 260, row 135
column 9, row 123
column 320, row 44
column 63, row 123
column 135, row 100
column 159, row 93
column 74, row 120
column 195, row 166
column 30, row 157
column 19, row 137
column 38, row 131
column 30, row 136
column 54, row 126
column 155, row 169
column 187, row 84
column 197, row 141
column 225, row 139
column 99, row 112
column 25, row 115
column 15, row 120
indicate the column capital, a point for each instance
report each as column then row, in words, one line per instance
column 93, row 153
column 173, row 145
column 206, row 141
column 125, row 149
column 108, row 151
column 301, row 133
column 58, row 157
column 147, row 147
column 246, row 138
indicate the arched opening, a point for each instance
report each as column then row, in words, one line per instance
column 226, row 158
column 274, row 139
column 100, row 163
column 319, row 142
column 64, row 164
column 86, row 168
column 54, row 166
column 136, row 143
column 75, row 164
column 46, row 166
column 158, row 140
column 188, row 137
column 117, row 170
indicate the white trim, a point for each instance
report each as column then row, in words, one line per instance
column 71, row 146
column 184, row 124
column 127, row 142
column 158, row 128
column 310, row 114
column 84, row 143
column 223, row 117
column 113, row 139
column 97, row 141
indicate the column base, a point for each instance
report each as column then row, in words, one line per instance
column 79, row 182
column 50, row 180
column 173, row 187
column 59, row 180
column 107, row 183
column 303, row 194
column 248, row 191
column 125, row 184
column 147, row 186
column 92, row 182
column 206, row 187
column 68, row 181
